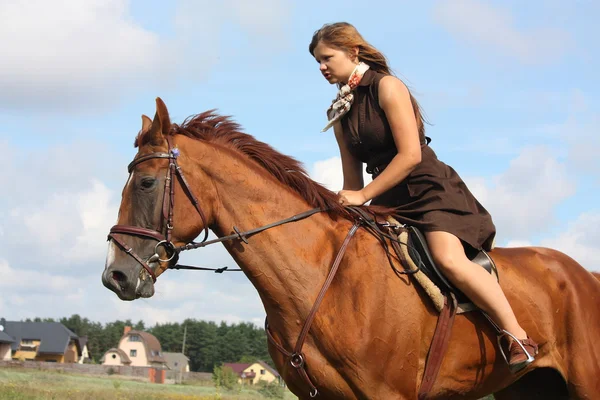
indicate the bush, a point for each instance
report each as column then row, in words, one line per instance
column 225, row 377
column 271, row 390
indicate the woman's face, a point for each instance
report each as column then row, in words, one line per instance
column 335, row 65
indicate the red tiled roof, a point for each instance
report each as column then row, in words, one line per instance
column 238, row 368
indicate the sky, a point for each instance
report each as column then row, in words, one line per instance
column 510, row 91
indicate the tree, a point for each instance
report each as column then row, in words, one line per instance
column 225, row 377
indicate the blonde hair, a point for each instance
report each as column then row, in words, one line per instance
column 344, row 36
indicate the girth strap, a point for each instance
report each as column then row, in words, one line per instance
column 297, row 358
column 439, row 344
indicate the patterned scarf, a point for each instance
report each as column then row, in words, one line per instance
column 343, row 101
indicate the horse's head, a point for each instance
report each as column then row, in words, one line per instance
column 144, row 242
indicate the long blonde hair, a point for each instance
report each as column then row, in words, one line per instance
column 344, row 36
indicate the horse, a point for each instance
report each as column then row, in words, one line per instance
column 370, row 336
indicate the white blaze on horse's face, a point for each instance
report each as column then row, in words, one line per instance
column 110, row 256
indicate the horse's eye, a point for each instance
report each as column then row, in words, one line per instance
column 148, row 183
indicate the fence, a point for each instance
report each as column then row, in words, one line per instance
column 139, row 373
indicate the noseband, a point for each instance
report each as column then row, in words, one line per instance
column 163, row 239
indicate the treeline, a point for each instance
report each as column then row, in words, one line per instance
column 207, row 344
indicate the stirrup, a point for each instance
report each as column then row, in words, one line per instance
column 520, row 366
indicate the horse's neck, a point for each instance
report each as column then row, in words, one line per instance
column 287, row 264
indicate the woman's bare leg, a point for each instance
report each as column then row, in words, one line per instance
column 476, row 283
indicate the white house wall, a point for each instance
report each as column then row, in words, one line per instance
column 110, row 360
column 5, row 353
column 140, row 359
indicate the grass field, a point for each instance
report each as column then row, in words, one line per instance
column 30, row 384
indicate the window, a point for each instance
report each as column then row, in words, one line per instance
column 133, row 353
column 135, row 338
column 262, row 371
column 114, row 356
column 27, row 341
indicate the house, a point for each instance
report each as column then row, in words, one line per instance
column 5, row 342
column 136, row 348
column 254, row 372
column 177, row 361
column 42, row 341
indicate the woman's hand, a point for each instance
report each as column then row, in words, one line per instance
column 352, row 197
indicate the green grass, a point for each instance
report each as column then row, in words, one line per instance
column 31, row 384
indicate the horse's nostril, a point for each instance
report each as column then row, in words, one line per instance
column 119, row 278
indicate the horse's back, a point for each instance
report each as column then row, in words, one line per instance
column 546, row 266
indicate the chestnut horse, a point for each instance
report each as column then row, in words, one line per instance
column 372, row 332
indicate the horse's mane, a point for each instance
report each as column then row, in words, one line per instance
column 222, row 130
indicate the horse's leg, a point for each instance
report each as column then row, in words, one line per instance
column 542, row 384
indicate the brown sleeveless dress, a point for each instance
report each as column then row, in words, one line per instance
column 433, row 197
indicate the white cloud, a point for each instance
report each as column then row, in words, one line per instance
column 69, row 227
column 72, row 55
column 518, row 243
column 329, row 173
column 522, row 200
column 34, row 281
column 29, row 293
column 580, row 240
column 71, row 50
column 494, row 29
column 60, row 208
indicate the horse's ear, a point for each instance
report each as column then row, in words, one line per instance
column 160, row 125
column 146, row 123
column 163, row 113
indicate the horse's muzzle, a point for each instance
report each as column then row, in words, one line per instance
column 128, row 283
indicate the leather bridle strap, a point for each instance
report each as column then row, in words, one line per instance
column 243, row 236
column 132, row 253
column 297, row 358
column 193, row 199
column 147, row 157
column 138, row 231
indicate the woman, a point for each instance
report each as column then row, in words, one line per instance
column 377, row 121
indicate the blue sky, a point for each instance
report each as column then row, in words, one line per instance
column 509, row 88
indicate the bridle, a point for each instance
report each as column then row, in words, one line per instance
column 166, row 225
column 163, row 239
column 296, row 358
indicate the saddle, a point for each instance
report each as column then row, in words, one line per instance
column 411, row 249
